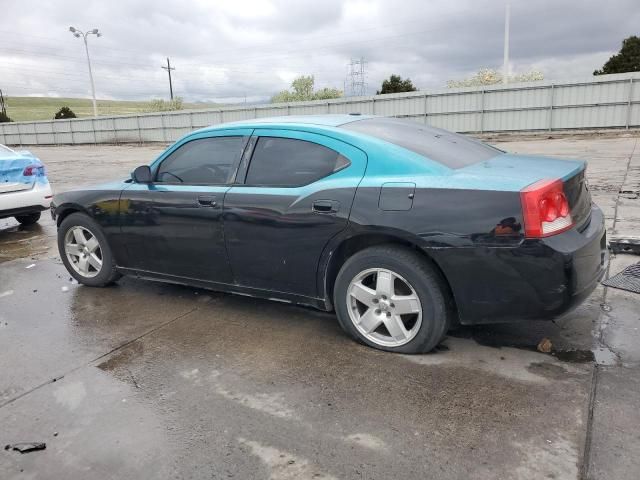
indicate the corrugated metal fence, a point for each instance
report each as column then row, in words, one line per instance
column 607, row 101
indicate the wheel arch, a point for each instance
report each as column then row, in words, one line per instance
column 341, row 251
column 64, row 210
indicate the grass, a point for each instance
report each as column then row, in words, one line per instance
column 24, row 109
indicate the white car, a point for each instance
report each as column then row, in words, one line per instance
column 24, row 187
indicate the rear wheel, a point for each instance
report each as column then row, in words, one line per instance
column 391, row 298
column 85, row 252
column 28, row 219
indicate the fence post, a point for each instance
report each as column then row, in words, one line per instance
column 425, row 109
column 328, row 108
column 20, row 135
column 482, row 111
column 71, row 130
column 139, row 129
column 93, row 127
column 373, row 106
column 164, row 130
column 629, row 103
column 551, row 90
column 115, row 132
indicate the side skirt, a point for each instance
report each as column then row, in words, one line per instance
column 318, row 303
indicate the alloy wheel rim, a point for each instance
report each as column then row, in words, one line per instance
column 384, row 307
column 83, row 251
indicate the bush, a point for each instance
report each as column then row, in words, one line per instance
column 64, row 113
column 159, row 105
column 4, row 117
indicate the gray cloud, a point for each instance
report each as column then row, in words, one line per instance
column 226, row 50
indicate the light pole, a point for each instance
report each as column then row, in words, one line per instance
column 507, row 20
column 77, row 33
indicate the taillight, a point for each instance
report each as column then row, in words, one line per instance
column 31, row 170
column 545, row 209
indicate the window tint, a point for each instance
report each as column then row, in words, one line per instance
column 202, row 161
column 450, row 149
column 285, row 162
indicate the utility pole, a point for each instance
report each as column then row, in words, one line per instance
column 168, row 68
column 77, row 33
column 507, row 20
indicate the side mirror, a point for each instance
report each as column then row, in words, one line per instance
column 142, row 174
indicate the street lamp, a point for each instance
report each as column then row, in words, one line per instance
column 77, row 33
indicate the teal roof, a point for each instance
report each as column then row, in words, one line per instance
column 323, row 120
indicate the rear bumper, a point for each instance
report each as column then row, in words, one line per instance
column 539, row 279
column 22, row 202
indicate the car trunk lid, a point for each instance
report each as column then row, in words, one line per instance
column 12, row 178
column 516, row 172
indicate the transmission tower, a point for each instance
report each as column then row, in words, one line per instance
column 356, row 78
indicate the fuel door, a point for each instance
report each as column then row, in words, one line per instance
column 396, row 196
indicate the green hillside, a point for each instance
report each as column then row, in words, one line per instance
column 44, row 108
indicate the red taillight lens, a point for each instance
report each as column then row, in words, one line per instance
column 31, row 170
column 545, row 209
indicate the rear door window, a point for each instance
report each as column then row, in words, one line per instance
column 205, row 161
column 288, row 162
column 450, row 149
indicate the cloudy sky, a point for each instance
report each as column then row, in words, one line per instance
column 226, row 50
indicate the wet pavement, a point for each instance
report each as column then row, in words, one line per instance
column 151, row 380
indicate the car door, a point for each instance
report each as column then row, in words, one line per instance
column 173, row 225
column 296, row 195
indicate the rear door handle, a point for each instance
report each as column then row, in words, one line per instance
column 325, row 206
column 207, row 201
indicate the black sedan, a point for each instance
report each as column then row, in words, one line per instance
column 400, row 228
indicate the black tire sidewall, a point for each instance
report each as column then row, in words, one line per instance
column 106, row 275
column 28, row 219
column 422, row 278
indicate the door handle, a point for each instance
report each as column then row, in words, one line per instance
column 325, row 206
column 207, row 201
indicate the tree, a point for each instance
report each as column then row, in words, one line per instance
column 64, row 113
column 395, row 84
column 627, row 60
column 303, row 91
column 4, row 117
column 489, row 76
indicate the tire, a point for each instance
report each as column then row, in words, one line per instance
column 28, row 219
column 71, row 255
column 412, row 276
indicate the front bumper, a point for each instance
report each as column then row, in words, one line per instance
column 35, row 199
column 539, row 279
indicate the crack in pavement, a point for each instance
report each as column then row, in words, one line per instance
column 100, row 357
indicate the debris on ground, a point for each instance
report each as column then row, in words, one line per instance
column 65, row 288
column 628, row 279
column 6, row 294
column 30, row 266
column 26, row 447
column 545, row 345
column 625, row 245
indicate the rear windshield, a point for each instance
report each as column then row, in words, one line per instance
column 4, row 150
column 450, row 149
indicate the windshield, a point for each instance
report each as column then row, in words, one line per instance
column 450, row 149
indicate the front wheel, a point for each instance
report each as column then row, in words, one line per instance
column 85, row 252
column 393, row 299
